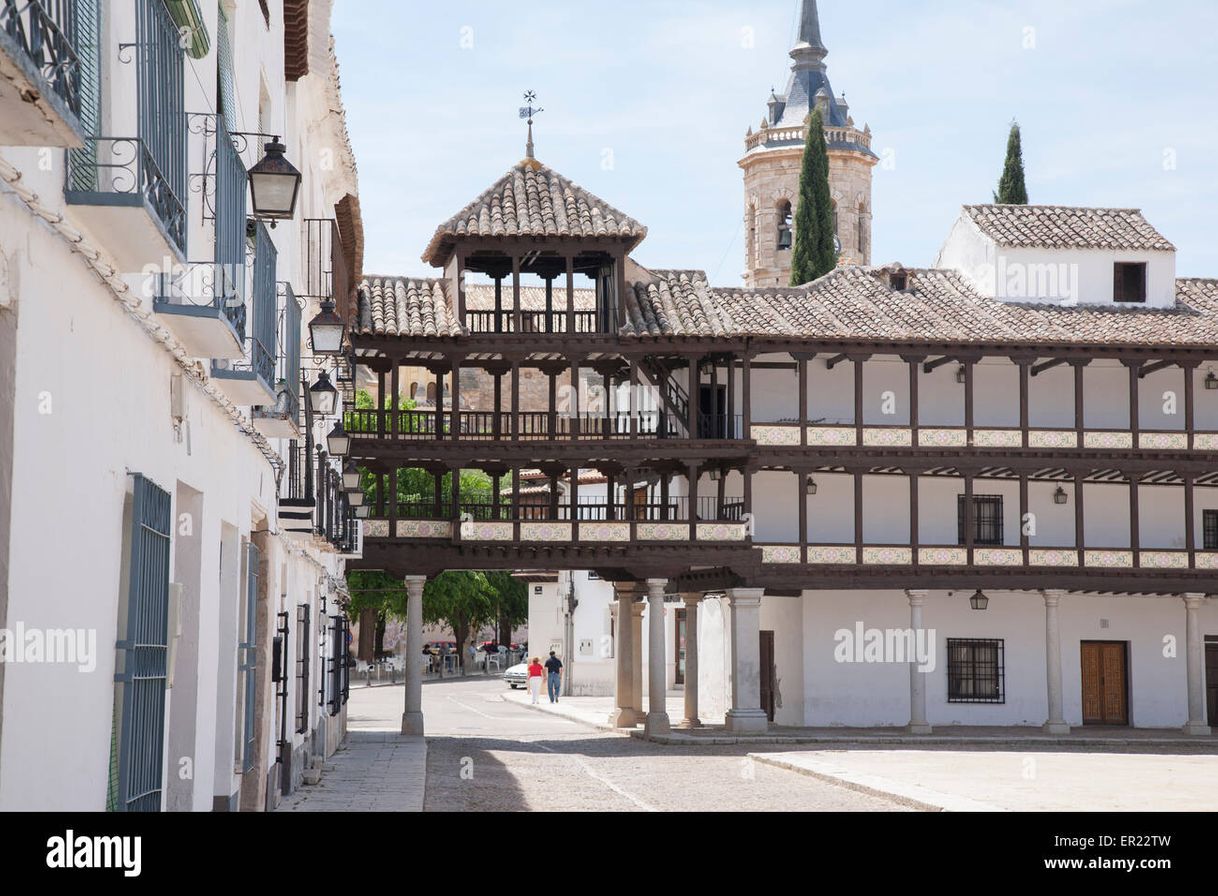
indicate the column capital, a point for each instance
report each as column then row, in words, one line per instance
column 655, row 588
column 745, row 597
column 1052, row 596
column 1194, row 600
column 692, row 598
column 917, row 598
column 415, row 583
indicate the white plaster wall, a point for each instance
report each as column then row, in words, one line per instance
column 870, row 694
column 783, row 616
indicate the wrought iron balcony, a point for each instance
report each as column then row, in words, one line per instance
column 107, row 178
column 250, row 381
column 130, row 189
column 297, row 497
column 327, row 277
column 282, row 420
column 48, row 69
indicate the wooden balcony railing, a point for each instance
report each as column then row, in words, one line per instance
column 504, row 322
column 430, row 425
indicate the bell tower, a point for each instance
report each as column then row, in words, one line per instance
column 774, row 155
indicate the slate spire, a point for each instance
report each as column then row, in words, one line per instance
column 810, row 50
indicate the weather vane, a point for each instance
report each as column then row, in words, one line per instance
column 529, row 112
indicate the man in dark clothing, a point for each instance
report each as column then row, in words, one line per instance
column 553, row 676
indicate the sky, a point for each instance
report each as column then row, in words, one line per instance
column 647, row 103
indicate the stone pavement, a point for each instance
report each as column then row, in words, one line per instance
column 373, row 771
column 1043, row 781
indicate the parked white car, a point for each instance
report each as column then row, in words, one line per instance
column 517, row 676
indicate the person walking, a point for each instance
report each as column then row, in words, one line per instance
column 553, row 677
column 535, row 673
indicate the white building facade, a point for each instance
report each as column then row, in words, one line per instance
column 172, row 540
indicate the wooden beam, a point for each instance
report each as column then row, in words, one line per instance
column 1155, row 368
column 932, row 366
column 835, row 360
column 1038, row 369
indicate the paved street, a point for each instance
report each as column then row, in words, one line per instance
column 485, row 754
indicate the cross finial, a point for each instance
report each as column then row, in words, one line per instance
column 529, row 112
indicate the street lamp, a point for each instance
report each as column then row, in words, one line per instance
column 322, row 395
column 811, row 487
column 338, row 442
column 362, row 512
column 275, row 184
column 1211, row 381
column 355, row 499
column 979, row 601
column 326, row 331
column 1060, row 496
column 350, row 476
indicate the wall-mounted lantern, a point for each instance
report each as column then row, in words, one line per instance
column 275, row 184
column 1060, row 496
column 326, row 331
column 322, row 395
column 979, row 601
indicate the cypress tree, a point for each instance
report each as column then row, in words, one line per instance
column 1012, row 190
column 814, row 253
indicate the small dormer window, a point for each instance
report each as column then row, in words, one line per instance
column 1129, row 282
column 785, row 223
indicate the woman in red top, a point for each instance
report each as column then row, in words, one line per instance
column 535, row 674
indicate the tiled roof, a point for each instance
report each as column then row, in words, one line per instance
column 532, row 200
column 1060, row 227
column 403, row 306
column 938, row 306
column 851, row 303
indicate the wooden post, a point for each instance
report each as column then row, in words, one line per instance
column 695, row 387
column 664, row 514
column 716, row 410
column 497, row 422
column 692, row 472
column 550, row 305
column 571, row 328
column 859, row 413
column 914, row 412
column 395, row 423
column 1190, row 523
column 1025, row 402
column 575, row 402
column 515, row 401
column 1080, row 416
column 1080, row 529
column 747, row 389
column 801, row 367
column 517, row 320
column 628, row 488
column 455, row 496
column 380, row 397
column 456, row 408
column 1190, row 403
column 439, row 405
column 1025, row 541
column 803, row 516
column 606, row 386
column 1135, row 416
column 516, row 504
column 496, row 498
column 499, row 328
column 914, row 512
column 1135, row 529
column 393, row 502
column 970, row 421
column 552, row 423
column 858, row 517
column 731, row 397
column 574, row 498
column 633, row 405
column 611, row 501
column 970, row 518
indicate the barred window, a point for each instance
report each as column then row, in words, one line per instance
column 975, row 671
column 987, row 519
column 1209, row 529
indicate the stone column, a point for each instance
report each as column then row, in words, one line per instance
column 412, row 718
column 636, row 658
column 1196, row 670
column 746, row 715
column 917, row 678
column 1056, row 723
column 691, row 661
column 623, row 715
column 657, row 677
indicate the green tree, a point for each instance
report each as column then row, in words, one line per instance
column 814, row 253
column 511, row 604
column 1012, row 189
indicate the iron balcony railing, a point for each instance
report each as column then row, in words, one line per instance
column 49, row 33
column 263, row 307
column 287, row 365
column 152, row 166
column 297, row 481
column 230, row 224
column 327, row 277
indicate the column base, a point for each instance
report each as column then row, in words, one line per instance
column 623, row 717
column 1198, row 729
column 919, row 728
column 412, row 724
column 656, row 723
column 1056, row 727
column 688, row 724
column 747, row 721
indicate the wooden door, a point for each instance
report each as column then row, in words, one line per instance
column 768, row 674
column 1105, row 679
column 1211, row 682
